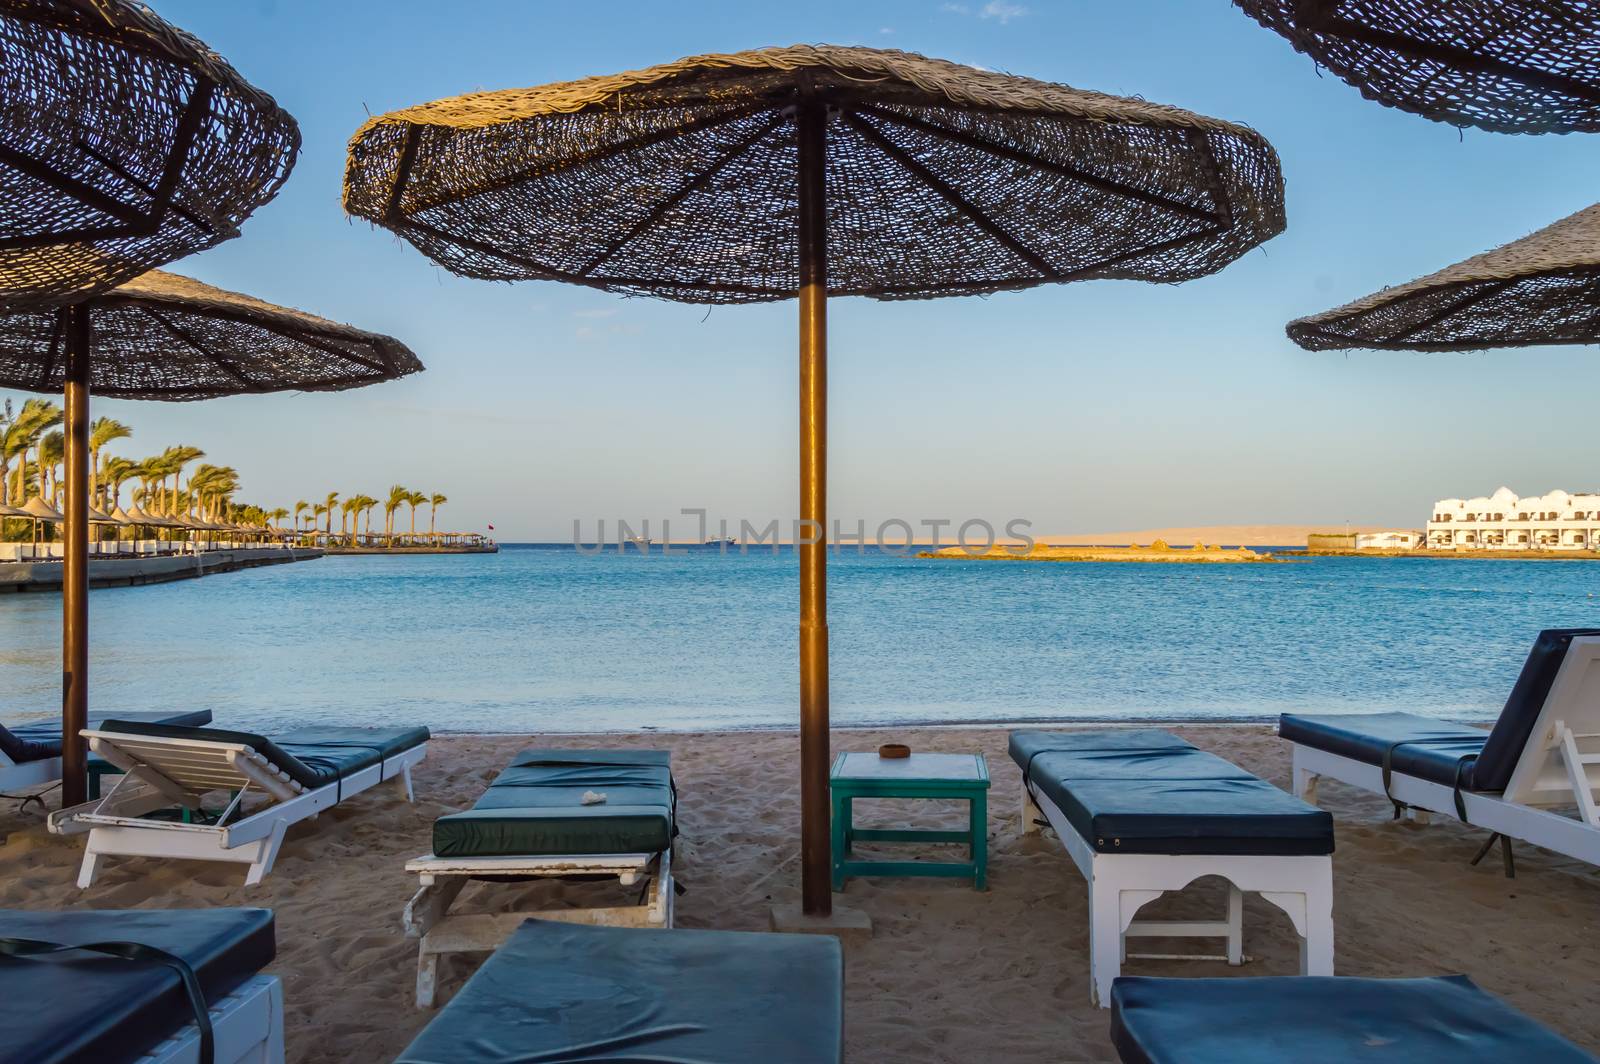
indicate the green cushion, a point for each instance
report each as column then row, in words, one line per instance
column 568, row 993
column 312, row 757
column 535, row 808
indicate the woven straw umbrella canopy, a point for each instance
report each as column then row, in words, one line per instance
column 162, row 336
column 125, row 143
column 1542, row 289
column 1514, row 66
column 812, row 171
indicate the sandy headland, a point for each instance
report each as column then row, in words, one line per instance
column 1159, row 551
column 949, row 974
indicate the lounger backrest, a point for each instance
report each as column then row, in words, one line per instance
column 1545, row 774
column 284, row 761
column 1506, row 743
column 213, row 760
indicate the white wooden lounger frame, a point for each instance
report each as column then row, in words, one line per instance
column 246, row 1026
column 1120, row 884
column 161, row 772
column 429, row 918
column 1560, row 767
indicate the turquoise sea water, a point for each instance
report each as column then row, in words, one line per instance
column 538, row 639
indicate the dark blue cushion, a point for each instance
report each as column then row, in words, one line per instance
column 1492, row 771
column 567, row 992
column 1324, row 1020
column 1422, row 746
column 1434, row 749
column 313, row 757
column 87, row 1007
column 1149, row 791
column 41, row 739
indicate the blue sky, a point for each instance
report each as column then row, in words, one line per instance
column 1082, row 407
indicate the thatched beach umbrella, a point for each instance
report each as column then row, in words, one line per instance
column 1542, row 289
column 125, row 143
column 1513, row 66
column 809, row 172
column 40, row 510
column 162, row 336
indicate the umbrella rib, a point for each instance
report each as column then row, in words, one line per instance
column 1151, row 249
column 1026, row 158
column 951, row 196
column 643, row 140
column 547, row 272
column 217, row 360
column 79, row 190
column 121, row 171
column 1468, row 60
column 682, row 192
column 402, row 171
column 333, row 349
column 194, row 113
column 53, row 351
column 1454, row 307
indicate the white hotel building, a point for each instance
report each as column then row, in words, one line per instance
column 1557, row 521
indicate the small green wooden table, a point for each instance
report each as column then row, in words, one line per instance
column 959, row 776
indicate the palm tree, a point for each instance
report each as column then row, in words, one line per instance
column 316, row 516
column 435, row 501
column 397, row 498
column 327, row 508
column 349, row 507
column 52, row 449
column 175, row 458
column 299, row 508
column 273, row 516
column 116, row 470
column 23, row 434
column 415, row 499
column 367, row 505
column 101, row 432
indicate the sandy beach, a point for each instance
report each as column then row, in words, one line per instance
column 949, row 975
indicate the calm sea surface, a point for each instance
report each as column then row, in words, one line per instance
column 547, row 639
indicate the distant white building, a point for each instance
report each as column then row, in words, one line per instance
column 1391, row 539
column 1502, row 521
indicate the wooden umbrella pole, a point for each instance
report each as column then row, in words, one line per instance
column 815, row 858
column 75, row 580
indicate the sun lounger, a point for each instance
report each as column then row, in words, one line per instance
column 81, row 1005
column 30, row 754
column 531, row 822
column 1543, row 754
column 273, row 783
column 1325, row 1021
column 558, row 991
column 1142, row 813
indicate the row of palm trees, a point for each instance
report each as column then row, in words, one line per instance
column 171, row 485
column 318, row 516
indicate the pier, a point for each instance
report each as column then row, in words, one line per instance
column 151, row 569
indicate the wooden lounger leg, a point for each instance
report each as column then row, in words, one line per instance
column 1235, row 925
column 267, row 854
column 1305, row 781
column 91, row 864
column 1031, row 814
column 1105, row 938
column 1311, row 912
column 427, row 908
